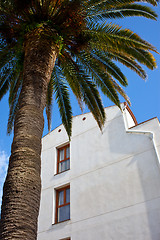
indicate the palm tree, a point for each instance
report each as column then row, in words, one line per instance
column 49, row 46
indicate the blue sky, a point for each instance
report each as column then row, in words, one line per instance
column 144, row 95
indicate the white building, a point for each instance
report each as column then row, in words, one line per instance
column 110, row 189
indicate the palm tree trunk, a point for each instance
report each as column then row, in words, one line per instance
column 21, row 193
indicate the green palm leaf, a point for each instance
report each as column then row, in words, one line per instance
column 128, row 62
column 49, row 103
column 107, row 4
column 111, row 67
column 78, row 78
column 101, row 78
column 93, row 101
column 112, row 36
column 62, row 97
column 14, row 98
column 123, row 11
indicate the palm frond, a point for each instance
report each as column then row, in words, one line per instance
column 71, row 72
column 121, row 91
column 49, row 102
column 144, row 57
column 14, row 105
column 101, row 77
column 62, row 97
column 107, row 4
column 128, row 62
column 93, row 100
column 16, row 80
column 5, row 79
column 111, row 67
column 127, row 10
column 112, row 36
column 87, row 90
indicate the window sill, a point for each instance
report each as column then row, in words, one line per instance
column 61, row 222
column 61, row 172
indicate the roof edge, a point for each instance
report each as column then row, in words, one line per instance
column 131, row 113
column 145, row 122
column 74, row 117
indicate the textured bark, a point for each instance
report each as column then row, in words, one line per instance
column 21, row 193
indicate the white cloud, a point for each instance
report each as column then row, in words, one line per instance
column 3, row 170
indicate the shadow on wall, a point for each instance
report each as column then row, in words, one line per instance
column 139, row 180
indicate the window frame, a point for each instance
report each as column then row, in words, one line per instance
column 65, row 158
column 62, row 205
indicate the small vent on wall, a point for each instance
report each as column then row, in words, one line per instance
column 59, row 130
column 84, row 118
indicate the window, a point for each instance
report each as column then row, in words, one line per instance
column 62, row 204
column 63, row 159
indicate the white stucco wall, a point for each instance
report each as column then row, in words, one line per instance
column 114, row 180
